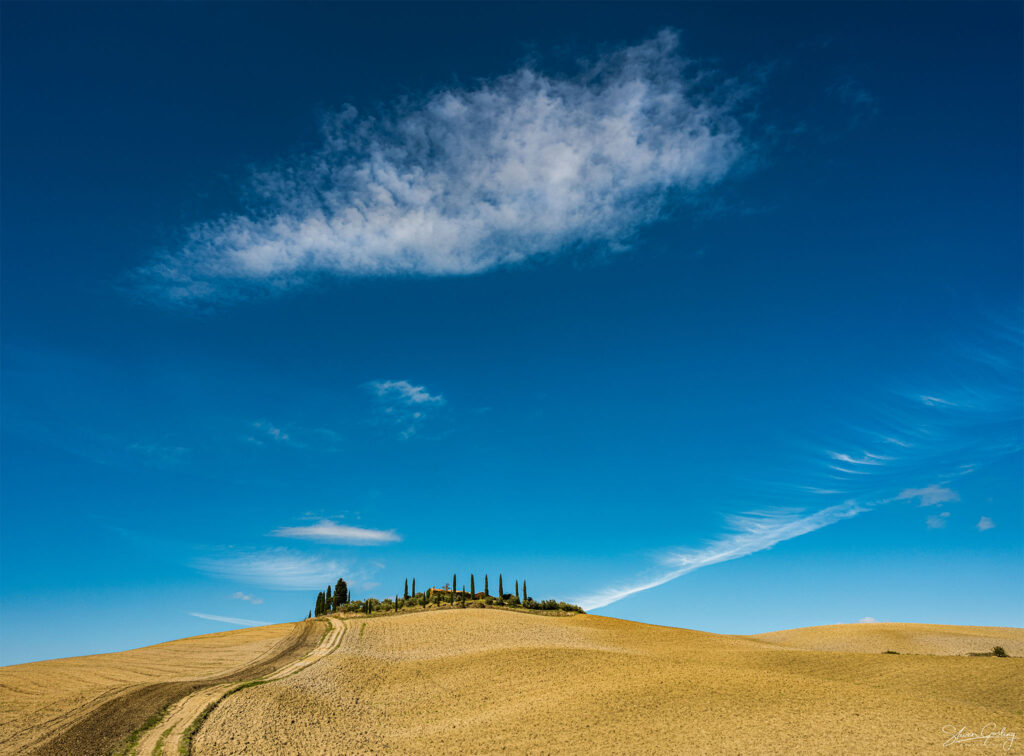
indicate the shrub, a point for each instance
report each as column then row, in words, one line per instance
column 999, row 651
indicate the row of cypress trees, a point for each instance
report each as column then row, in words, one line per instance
column 487, row 589
column 330, row 601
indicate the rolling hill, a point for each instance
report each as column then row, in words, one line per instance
column 486, row 680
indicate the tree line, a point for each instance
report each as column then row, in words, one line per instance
column 341, row 600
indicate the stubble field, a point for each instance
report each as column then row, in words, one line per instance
column 61, row 697
column 483, row 681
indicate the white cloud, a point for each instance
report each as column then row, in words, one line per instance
column 277, row 568
column 866, row 459
column 228, row 620
column 245, row 597
column 264, row 431
column 930, row 495
column 937, row 521
column 405, row 392
column 404, row 405
column 985, row 523
column 866, row 620
column 332, row 532
column 751, row 533
column 467, row 179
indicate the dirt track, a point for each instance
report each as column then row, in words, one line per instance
column 168, row 734
column 106, row 726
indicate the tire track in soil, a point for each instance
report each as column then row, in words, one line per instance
column 180, row 717
column 109, row 724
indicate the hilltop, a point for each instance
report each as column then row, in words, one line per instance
column 480, row 680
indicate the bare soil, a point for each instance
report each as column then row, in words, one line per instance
column 100, row 722
column 167, row 736
column 485, row 681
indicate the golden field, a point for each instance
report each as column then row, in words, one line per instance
column 484, row 681
column 489, row 680
column 40, row 699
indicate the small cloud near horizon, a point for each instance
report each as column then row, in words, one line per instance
column 281, row 568
column 985, row 523
column 228, row 620
column 866, row 620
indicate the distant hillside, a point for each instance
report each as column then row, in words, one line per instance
column 902, row 637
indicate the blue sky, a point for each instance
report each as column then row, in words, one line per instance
column 700, row 315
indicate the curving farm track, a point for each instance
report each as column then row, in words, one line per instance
column 103, row 727
column 167, row 736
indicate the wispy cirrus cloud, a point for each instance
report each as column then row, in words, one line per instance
column 929, row 496
column 327, row 531
column 265, row 433
column 914, row 437
column 228, row 620
column 466, row 179
column 749, row 533
column 403, row 405
column 278, row 568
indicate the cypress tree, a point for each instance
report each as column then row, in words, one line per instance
column 487, row 591
column 396, row 603
column 340, row 593
column 525, row 597
column 517, row 589
column 319, row 603
column 328, row 602
column 501, row 588
column 309, row 616
column 414, row 586
column 407, row 587
column 472, row 586
column 454, row 583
